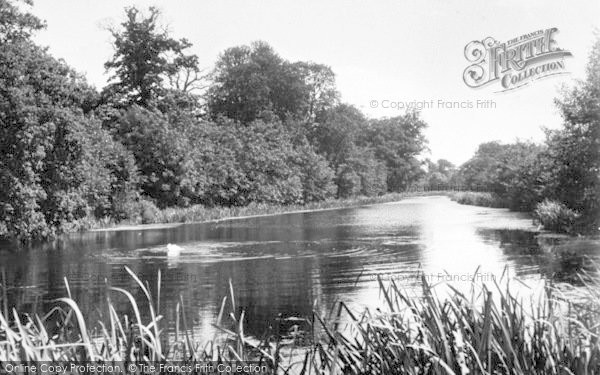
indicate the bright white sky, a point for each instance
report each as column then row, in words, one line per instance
column 394, row 50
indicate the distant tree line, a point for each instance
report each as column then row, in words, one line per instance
column 163, row 132
column 559, row 179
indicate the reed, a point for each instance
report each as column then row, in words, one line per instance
column 483, row 331
column 63, row 336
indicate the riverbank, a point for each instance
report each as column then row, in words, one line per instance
column 171, row 217
column 476, row 198
column 552, row 216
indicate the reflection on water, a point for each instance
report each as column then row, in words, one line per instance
column 280, row 266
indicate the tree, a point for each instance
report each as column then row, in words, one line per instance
column 256, row 162
column 440, row 175
column 513, row 171
column 397, row 141
column 519, row 175
column 16, row 25
column 110, row 177
column 21, row 135
column 481, row 171
column 248, row 80
column 163, row 155
column 361, row 174
column 319, row 86
column 48, row 149
column 573, row 168
column 336, row 131
column 445, row 167
column 315, row 174
column 146, row 57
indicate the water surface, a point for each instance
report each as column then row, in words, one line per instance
column 283, row 265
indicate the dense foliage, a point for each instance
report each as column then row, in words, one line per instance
column 508, row 170
column 559, row 179
column 257, row 130
column 58, row 164
column 556, row 216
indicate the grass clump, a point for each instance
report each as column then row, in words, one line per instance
column 555, row 216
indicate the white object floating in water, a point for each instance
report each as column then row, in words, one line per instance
column 173, row 250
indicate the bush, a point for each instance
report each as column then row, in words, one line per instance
column 148, row 211
column 556, row 216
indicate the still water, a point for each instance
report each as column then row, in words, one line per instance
column 285, row 265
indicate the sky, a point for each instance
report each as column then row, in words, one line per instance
column 381, row 52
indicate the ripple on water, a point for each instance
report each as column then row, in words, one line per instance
column 283, row 264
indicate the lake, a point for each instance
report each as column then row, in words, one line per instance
column 285, row 265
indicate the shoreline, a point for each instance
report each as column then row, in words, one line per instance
column 352, row 203
column 128, row 227
column 394, row 198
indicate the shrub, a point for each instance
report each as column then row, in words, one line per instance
column 555, row 216
column 148, row 211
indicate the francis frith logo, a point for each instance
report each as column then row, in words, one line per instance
column 514, row 63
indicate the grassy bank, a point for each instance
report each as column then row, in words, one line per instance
column 553, row 216
column 199, row 213
column 481, row 332
column 473, row 198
